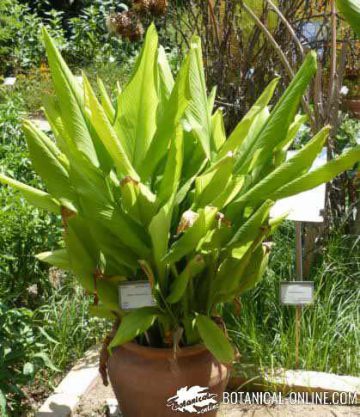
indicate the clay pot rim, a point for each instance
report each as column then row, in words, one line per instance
column 161, row 353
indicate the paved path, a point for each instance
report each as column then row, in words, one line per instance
column 94, row 405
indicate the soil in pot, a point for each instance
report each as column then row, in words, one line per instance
column 150, row 382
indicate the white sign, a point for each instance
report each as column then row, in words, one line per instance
column 9, row 81
column 135, row 295
column 297, row 292
column 42, row 124
column 307, row 206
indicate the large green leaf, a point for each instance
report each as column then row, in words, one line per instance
column 134, row 324
column 47, row 161
column 198, row 114
column 216, row 178
column 168, row 124
column 218, row 134
column 159, row 230
column 254, row 271
column 119, row 258
column 165, row 81
column 178, row 288
column 276, row 128
column 70, row 101
column 227, row 195
column 214, row 339
column 294, row 167
column 53, row 115
column 83, row 252
column 129, row 233
column 106, row 101
column 106, row 133
column 108, row 294
column 240, row 135
column 246, row 233
column 58, row 258
column 136, row 118
column 350, row 9
column 138, row 201
column 320, row 175
column 102, row 312
column 34, row 196
column 280, row 151
column 172, row 173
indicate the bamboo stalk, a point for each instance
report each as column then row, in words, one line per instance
column 288, row 27
column 333, row 62
column 214, row 21
column 282, row 57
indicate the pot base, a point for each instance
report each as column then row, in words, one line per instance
column 149, row 382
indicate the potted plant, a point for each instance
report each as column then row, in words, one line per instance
column 352, row 100
column 160, row 206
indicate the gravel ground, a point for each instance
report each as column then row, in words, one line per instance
column 94, row 405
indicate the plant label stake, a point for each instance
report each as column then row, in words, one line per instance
column 134, row 295
column 299, row 292
column 305, row 207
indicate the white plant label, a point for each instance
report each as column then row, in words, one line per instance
column 307, row 206
column 9, row 81
column 297, row 293
column 135, row 295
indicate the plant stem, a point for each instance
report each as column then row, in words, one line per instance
column 281, row 54
column 288, row 27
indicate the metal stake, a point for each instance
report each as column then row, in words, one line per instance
column 299, row 277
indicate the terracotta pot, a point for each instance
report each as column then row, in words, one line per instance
column 144, row 379
column 353, row 105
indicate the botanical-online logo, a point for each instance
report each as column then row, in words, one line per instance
column 195, row 400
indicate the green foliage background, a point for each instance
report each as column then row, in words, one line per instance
column 43, row 316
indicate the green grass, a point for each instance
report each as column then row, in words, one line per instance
column 264, row 331
column 66, row 319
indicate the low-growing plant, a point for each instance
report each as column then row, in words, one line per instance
column 348, row 134
column 90, row 39
column 20, row 32
column 22, row 354
column 84, row 38
column 23, row 229
column 65, row 318
column 150, row 187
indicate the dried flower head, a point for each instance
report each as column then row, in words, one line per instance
column 153, row 7
column 158, row 7
column 142, row 6
column 187, row 220
column 126, row 25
